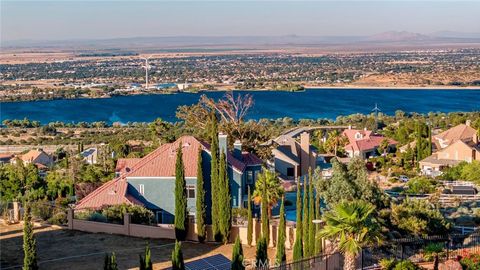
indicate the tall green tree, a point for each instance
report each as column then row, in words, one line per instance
column 110, row 262
column 311, row 217
column 306, row 251
column 29, row 242
column 146, row 261
column 281, row 257
column 181, row 213
column 177, row 257
column 318, row 215
column 200, row 200
column 298, row 245
column 264, row 215
column 261, row 255
column 225, row 209
column 214, row 176
column 352, row 225
column 237, row 255
column 250, row 219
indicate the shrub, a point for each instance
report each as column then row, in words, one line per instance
column 421, row 185
column 41, row 209
column 97, row 217
column 59, row 218
column 139, row 214
column 471, row 262
column 406, row 265
column 388, row 264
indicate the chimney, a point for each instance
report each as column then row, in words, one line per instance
column 222, row 143
column 304, row 152
column 349, row 126
column 468, row 122
column 237, row 150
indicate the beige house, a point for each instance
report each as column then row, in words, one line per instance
column 37, row 157
column 364, row 143
column 460, row 143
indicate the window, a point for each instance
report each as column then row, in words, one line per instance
column 290, row 172
column 190, row 191
column 250, row 177
column 159, row 216
column 141, row 189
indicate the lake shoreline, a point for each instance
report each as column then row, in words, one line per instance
column 309, row 87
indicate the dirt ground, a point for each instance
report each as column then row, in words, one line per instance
column 59, row 248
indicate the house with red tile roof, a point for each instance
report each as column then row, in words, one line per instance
column 364, row 143
column 37, row 157
column 150, row 181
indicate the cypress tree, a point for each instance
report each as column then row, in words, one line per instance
column 264, row 213
column 237, row 256
column 298, row 246
column 177, row 257
column 250, row 219
column 281, row 257
column 305, row 237
column 110, row 262
column 180, row 197
column 29, row 242
column 146, row 262
column 311, row 217
column 318, row 242
column 214, row 176
column 262, row 256
column 299, row 211
column 200, row 202
column 225, row 210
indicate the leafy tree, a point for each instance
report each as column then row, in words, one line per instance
column 146, row 262
column 200, row 202
column 237, row 255
column 177, row 257
column 29, row 242
column 261, row 255
column 418, row 217
column 268, row 181
column 281, row 257
column 352, row 225
column 421, row 185
column 180, row 197
column 250, row 219
column 225, row 209
column 335, row 142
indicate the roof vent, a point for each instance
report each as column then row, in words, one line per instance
column 186, row 144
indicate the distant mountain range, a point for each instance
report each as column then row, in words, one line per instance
column 384, row 39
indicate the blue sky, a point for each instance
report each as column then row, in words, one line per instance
column 70, row 19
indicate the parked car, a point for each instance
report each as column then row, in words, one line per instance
column 403, row 178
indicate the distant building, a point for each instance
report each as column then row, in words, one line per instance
column 6, row 158
column 37, row 157
column 460, row 143
column 364, row 143
column 183, row 86
column 150, row 181
column 90, row 155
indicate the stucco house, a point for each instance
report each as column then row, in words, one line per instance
column 364, row 143
column 460, row 143
column 37, row 157
column 292, row 158
column 90, row 155
column 150, row 181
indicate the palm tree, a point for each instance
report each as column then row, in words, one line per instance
column 351, row 225
column 268, row 180
column 334, row 140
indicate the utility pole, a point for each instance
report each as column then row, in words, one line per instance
column 376, row 110
column 146, row 70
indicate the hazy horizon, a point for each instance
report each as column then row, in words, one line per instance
column 93, row 20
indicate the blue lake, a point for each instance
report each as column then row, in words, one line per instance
column 312, row 103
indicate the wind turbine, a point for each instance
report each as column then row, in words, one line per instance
column 376, row 110
column 146, row 70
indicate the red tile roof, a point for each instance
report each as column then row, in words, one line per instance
column 125, row 164
column 159, row 163
column 367, row 142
